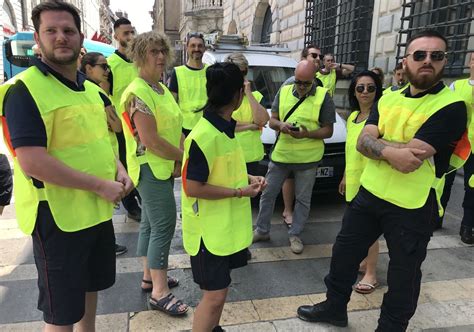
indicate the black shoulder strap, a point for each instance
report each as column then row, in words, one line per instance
column 293, row 109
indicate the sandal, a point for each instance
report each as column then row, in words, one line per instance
column 163, row 303
column 172, row 282
column 369, row 287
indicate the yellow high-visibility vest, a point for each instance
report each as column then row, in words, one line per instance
column 304, row 150
column 224, row 225
column 329, row 80
column 249, row 140
column 77, row 135
column 123, row 73
column 355, row 161
column 400, row 118
column 192, row 94
column 168, row 123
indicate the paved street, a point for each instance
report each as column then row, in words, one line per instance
column 265, row 294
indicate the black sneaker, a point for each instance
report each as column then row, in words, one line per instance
column 321, row 312
column 119, row 250
column 218, row 328
column 466, row 235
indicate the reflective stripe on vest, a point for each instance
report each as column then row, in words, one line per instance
column 77, row 135
column 355, row 161
column 249, row 140
column 123, row 73
column 304, row 150
column 399, row 120
column 225, row 225
column 168, row 123
column 192, row 95
column 329, row 80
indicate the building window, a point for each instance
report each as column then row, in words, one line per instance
column 452, row 18
column 267, row 27
column 341, row 27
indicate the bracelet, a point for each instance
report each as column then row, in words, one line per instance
column 240, row 192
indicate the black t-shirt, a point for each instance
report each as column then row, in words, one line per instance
column 197, row 167
column 442, row 130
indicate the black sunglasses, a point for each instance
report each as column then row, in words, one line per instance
column 304, row 83
column 435, row 55
column 315, row 55
column 104, row 66
column 361, row 88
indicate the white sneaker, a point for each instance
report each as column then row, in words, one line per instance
column 296, row 245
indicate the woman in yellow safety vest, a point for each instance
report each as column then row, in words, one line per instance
column 365, row 89
column 152, row 124
column 217, row 220
column 94, row 65
column 251, row 116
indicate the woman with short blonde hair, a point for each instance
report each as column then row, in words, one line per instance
column 152, row 122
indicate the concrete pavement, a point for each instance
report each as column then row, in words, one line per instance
column 265, row 294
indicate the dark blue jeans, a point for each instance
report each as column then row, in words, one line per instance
column 407, row 233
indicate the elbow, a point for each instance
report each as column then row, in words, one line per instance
column 328, row 131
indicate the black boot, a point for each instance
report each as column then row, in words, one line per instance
column 466, row 234
column 322, row 312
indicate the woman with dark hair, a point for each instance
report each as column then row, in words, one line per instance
column 365, row 89
column 217, row 220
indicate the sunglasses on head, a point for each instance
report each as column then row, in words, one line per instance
column 421, row 55
column 370, row 88
column 304, row 83
column 315, row 55
column 104, row 66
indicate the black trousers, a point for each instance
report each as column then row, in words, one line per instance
column 407, row 233
column 468, row 201
column 130, row 202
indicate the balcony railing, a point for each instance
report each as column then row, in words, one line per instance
column 194, row 5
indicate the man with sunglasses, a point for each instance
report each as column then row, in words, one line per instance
column 310, row 53
column 408, row 139
column 122, row 72
column 303, row 114
column 188, row 82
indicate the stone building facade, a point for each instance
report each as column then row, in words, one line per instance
column 166, row 16
column 267, row 21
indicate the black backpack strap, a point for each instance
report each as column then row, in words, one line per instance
column 292, row 110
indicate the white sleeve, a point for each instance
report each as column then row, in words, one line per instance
column 452, row 86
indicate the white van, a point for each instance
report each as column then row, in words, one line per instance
column 268, row 69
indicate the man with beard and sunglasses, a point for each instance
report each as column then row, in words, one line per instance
column 188, row 82
column 67, row 178
column 409, row 138
column 122, row 72
column 303, row 114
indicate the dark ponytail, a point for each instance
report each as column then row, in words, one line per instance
column 224, row 80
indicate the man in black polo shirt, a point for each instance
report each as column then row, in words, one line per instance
column 64, row 180
column 408, row 139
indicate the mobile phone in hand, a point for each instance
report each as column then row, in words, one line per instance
column 294, row 128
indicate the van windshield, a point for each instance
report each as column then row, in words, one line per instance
column 268, row 80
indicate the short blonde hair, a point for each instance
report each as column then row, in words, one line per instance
column 141, row 44
column 239, row 60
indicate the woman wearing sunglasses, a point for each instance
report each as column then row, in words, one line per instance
column 94, row 65
column 365, row 89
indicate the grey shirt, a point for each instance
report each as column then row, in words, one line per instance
column 327, row 114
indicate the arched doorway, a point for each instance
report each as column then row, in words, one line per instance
column 262, row 23
column 9, row 21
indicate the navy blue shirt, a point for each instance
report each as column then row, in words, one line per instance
column 442, row 130
column 198, row 168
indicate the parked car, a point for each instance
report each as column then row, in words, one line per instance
column 268, row 69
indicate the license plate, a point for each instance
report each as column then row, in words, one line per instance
column 325, row 172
